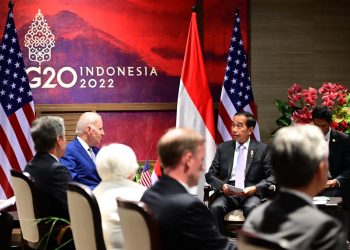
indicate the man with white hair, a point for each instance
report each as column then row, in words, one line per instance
column 81, row 153
column 299, row 160
column 116, row 164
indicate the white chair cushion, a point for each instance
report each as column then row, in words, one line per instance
column 235, row 215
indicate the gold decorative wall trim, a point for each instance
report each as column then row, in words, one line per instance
column 101, row 107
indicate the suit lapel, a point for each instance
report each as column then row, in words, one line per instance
column 250, row 155
column 230, row 159
column 82, row 151
column 332, row 144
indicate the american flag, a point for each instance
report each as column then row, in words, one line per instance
column 236, row 93
column 146, row 176
column 16, row 108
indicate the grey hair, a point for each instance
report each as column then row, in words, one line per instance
column 45, row 131
column 296, row 152
column 116, row 162
column 85, row 120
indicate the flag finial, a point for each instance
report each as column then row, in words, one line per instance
column 11, row 4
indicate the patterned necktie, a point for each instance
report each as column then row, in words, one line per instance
column 240, row 168
column 92, row 154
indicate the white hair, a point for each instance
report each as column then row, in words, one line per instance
column 296, row 153
column 85, row 120
column 308, row 138
column 115, row 162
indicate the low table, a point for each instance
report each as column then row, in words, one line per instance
column 333, row 207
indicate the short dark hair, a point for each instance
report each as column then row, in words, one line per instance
column 44, row 132
column 176, row 142
column 321, row 112
column 251, row 122
column 296, row 152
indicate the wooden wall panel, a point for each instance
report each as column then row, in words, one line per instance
column 71, row 112
column 303, row 41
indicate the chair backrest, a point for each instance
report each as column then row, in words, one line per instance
column 85, row 218
column 27, row 206
column 140, row 228
column 251, row 241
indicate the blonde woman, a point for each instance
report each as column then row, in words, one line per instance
column 116, row 164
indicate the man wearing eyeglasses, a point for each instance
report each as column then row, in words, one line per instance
column 81, row 152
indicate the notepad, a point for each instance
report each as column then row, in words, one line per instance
column 320, row 200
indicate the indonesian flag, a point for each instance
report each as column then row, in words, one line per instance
column 195, row 104
column 157, row 172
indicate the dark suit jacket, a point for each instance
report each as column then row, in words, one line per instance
column 51, row 180
column 339, row 156
column 292, row 218
column 80, row 164
column 258, row 168
column 185, row 222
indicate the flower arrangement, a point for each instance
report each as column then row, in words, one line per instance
column 301, row 102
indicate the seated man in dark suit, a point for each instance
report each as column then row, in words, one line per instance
column 339, row 153
column 185, row 222
column 299, row 160
column 81, row 152
column 6, row 226
column 243, row 163
column 51, row 177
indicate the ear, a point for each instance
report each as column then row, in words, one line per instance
column 60, row 140
column 87, row 130
column 250, row 130
column 322, row 171
column 186, row 160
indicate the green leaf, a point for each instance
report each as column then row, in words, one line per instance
column 282, row 106
column 283, row 121
column 347, row 131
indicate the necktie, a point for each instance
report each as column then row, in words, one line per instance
column 92, row 154
column 240, row 168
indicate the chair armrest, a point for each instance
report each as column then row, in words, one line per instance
column 207, row 189
column 271, row 191
column 207, row 198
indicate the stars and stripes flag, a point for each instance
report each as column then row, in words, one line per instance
column 16, row 108
column 146, row 176
column 195, row 104
column 236, row 93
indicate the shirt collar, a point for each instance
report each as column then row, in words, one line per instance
column 328, row 135
column 54, row 156
column 301, row 195
column 83, row 143
column 185, row 186
column 246, row 144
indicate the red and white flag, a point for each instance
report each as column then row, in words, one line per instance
column 195, row 104
column 16, row 109
column 236, row 93
column 157, row 172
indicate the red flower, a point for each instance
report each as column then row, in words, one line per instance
column 303, row 101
